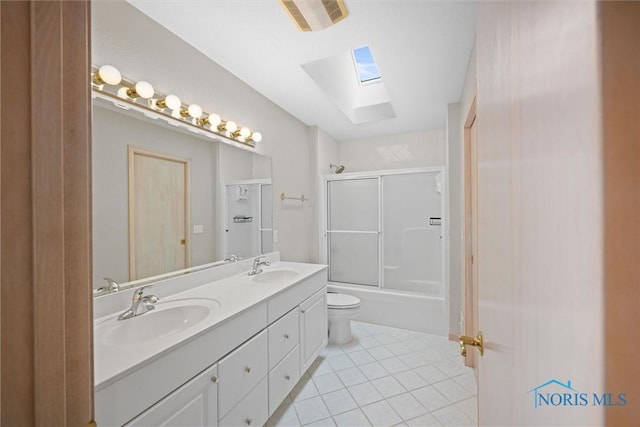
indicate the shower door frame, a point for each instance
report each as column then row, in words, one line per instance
column 379, row 175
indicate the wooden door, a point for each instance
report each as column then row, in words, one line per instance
column 158, row 214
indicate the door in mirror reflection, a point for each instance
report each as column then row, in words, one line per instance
column 158, row 215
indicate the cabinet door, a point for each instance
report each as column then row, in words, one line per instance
column 193, row 404
column 313, row 328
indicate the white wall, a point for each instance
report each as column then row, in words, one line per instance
column 410, row 150
column 142, row 49
column 456, row 117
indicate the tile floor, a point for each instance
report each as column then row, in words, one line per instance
column 384, row 377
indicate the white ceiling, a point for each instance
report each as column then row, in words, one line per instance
column 421, row 47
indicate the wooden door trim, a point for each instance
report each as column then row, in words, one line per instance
column 468, row 269
column 46, row 351
column 132, row 152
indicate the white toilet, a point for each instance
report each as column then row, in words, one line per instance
column 341, row 309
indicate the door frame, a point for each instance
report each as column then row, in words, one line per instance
column 132, row 152
column 469, row 307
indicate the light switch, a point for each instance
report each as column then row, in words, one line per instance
column 198, row 229
column 275, row 236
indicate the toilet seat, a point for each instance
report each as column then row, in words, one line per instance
column 342, row 301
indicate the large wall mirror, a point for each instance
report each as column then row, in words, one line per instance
column 166, row 199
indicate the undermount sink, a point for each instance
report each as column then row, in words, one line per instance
column 274, row 276
column 168, row 318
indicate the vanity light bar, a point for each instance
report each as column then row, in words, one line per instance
column 108, row 81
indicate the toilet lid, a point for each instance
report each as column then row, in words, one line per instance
column 342, row 301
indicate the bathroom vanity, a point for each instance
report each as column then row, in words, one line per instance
column 226, row 352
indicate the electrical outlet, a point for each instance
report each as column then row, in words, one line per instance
column 198, row 229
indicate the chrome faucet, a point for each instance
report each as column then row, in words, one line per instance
column 232, row 258
column 140, row 304
column 112, row 286
column 256, row 268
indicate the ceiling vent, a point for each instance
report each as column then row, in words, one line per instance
column 314, row 15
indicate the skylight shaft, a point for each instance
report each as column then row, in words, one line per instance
column 366, row 67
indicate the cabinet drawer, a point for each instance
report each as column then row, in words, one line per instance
column 252, row 410
column 282, row 379
column 284, row 334
column 240, row 371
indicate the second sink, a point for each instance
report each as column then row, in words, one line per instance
column 274, row 276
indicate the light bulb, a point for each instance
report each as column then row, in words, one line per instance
column 107, row 74
column 214, row 120
column 194, row 111
column 256, row 136
column 244, row 132
column 141, row 89
column 231, row 126
column 171, row 102
column 144, row 89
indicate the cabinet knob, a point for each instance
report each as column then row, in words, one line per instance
column 286, row 336
column 287, row 377
column 214, row 379
column 248, row 421
column 248, row 369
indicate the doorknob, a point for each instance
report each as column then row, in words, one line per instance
column 475, row 342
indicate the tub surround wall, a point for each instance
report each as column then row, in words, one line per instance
column 403, row 151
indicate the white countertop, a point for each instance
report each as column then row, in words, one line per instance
column 234, row 294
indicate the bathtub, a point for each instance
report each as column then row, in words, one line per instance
column 398, row 309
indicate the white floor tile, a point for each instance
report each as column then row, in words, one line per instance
column 331, row 350
column 326, row 422
column 452, row 390
column 388, row 386
column 398, row 348
column 410, row 380
column 380, row 353
column 431, row 355
column 364, row 393
column 431, row 374
column 469, row 407
column 386, row 338
column 303, row 390
column 468, row 381
column 454, row 417
column 354, row 345
column 373, row 370
column 393, row 365
column 415, row 344
column 369, row 342
column 351, row 376
column 430, row 398
column 426, row 420
column 340, row 362
column 452, row 367
column 327, row 383
column 284, row 416
column 361, row 357
column 311, row 410
column 413, row 360
column 407, row 406
column 320, row 366
column 339, row 401
column 355, row 418
column 381, row 414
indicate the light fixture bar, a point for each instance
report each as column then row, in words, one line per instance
column 170, row 107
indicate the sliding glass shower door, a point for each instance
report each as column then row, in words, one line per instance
column 386, row 231
column 353, row 231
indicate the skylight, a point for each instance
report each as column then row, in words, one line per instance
column 365, row 65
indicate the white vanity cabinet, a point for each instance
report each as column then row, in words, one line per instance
column 192, row 405
column 313, row 328
column 235, row 373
